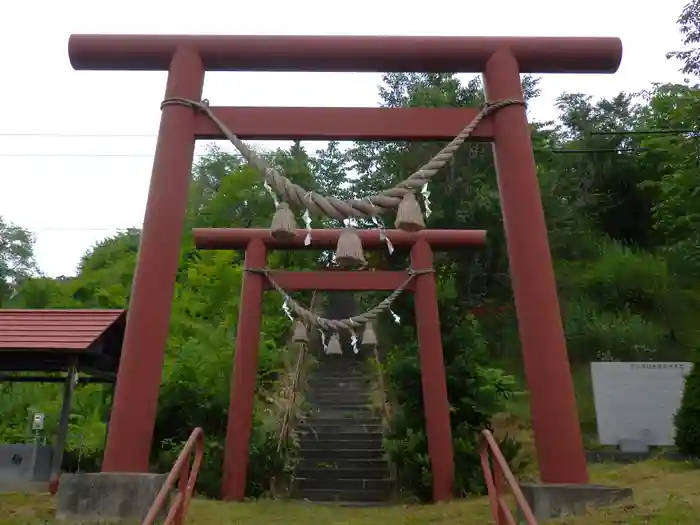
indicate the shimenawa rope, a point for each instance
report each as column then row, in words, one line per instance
column 336, row 208
column 335, row 325
column 342, row 209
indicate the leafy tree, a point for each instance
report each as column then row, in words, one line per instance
column 687, row 419
column 689, row 24
column 16, row 258
column 676, row 210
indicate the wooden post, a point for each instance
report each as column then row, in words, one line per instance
column 138, row 382
column 554, row 416
column 435, row 402
column 240, row 414
column 62, row 430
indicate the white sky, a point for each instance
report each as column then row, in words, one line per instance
column 80, row 196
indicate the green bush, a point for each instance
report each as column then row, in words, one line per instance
column 264, row 464
column 475, row 392
column 195, row 393
column 687, row 419
column 595, row 335
column 626, row 279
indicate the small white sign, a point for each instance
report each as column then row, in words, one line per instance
column 38, row 421
column 637, row 401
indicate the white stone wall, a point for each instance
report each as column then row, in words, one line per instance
column 637, row 400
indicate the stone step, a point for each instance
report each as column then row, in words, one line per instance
column 335, row 379
column 340, row 417
column 340, row 407
column 349, row 361
column 353, row 368
column 351, row 405
column 341, row 375
column 337, row 435
column 339, row 426
column 334, row 389
column 363, row 443
column 346, row 375
column 329, row 474
column 329, row 455
column 342, row 495
column 343, row 484
column 352, row 373
column 345, row 407
column 337, row 396
column 332, row 415
column 334, row 464
column 338, row 383
column 356, row 366
column 342, row 365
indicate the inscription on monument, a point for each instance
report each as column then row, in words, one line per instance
column 637, row 401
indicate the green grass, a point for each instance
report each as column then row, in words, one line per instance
column 665, row 494
column 515, row 421
column 25, row 509
column 519, row 407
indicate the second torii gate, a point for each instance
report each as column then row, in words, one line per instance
column 256, row 244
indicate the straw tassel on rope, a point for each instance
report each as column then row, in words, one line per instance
column 334, row 347
column 283, row 222
column 301, row 334
column 369, row 337
column 409, row 216
column 349, row 253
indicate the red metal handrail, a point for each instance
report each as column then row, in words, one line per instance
column 188, row 477
column 494, row 483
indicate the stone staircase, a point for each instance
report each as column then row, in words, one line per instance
column 341, row 459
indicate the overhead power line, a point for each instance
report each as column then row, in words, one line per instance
column 200, row 155
column 693, row 132
column 83, row 155
column 79, row 230
column 81, row 135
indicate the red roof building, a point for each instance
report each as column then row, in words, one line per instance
column 53, row 340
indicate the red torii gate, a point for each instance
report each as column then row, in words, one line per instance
column 256, row 243
column 501, row 59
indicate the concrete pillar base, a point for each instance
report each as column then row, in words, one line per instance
column 107, row 496
column 553, row 500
